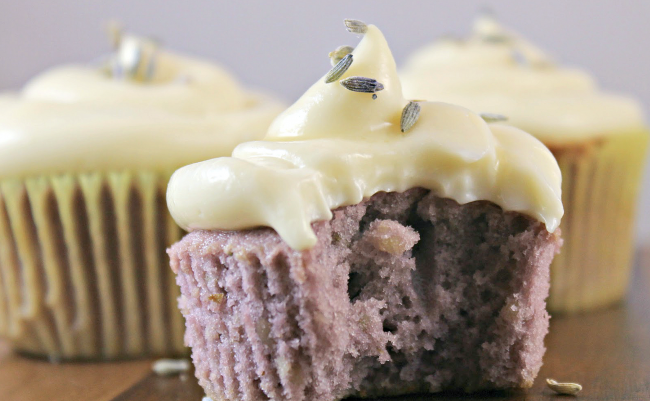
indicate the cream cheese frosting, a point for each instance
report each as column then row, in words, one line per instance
column 497, row 71
column 335, row 147
column 77, row 118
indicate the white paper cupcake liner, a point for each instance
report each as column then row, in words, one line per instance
column 600, row 184
column 83, row 269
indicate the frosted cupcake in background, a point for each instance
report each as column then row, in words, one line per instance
column 598, row 138
column 85, row 156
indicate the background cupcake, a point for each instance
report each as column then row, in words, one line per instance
column 85, row 155
column 599, row 139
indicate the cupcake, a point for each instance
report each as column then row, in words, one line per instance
column 599, row 140
column 85, row 156
column 367, row 246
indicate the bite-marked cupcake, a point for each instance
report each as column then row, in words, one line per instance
column 369, row 245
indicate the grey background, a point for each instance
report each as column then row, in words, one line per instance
column 282, row 45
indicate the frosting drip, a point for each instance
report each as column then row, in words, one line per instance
column 79, row 118
column 335, row 147
column 497, row 71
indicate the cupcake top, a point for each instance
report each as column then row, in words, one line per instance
column 495, row 70
column 342, row 141
column 144, row 108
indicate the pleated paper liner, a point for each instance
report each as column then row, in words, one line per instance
column 600, row 183
column 83, row 268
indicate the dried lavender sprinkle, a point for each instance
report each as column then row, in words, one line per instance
column 410, row 116
column 339, row 69
column 493, row 117
column 337, row 54
column 362, row 84
column 356, row 26
column 167, row 367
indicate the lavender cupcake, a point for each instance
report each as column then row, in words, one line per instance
column 367, row 246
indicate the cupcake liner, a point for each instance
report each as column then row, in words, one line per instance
column 600, row 183
column 83, row 269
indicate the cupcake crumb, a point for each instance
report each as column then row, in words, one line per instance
column 217, row 298
column 391, row 237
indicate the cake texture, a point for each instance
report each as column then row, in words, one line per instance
column 403, row 293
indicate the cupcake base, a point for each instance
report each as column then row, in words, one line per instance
column 403, row 293
column 600, row 184
column 83, row 270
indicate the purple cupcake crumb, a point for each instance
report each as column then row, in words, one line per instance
column 403, row 293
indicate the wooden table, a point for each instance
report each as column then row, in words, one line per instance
column 608, row 352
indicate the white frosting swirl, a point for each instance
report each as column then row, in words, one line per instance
column 79, row 118
column 499, row 72
column 334, row 147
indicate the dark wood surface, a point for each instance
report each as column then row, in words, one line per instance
column 608, row 352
